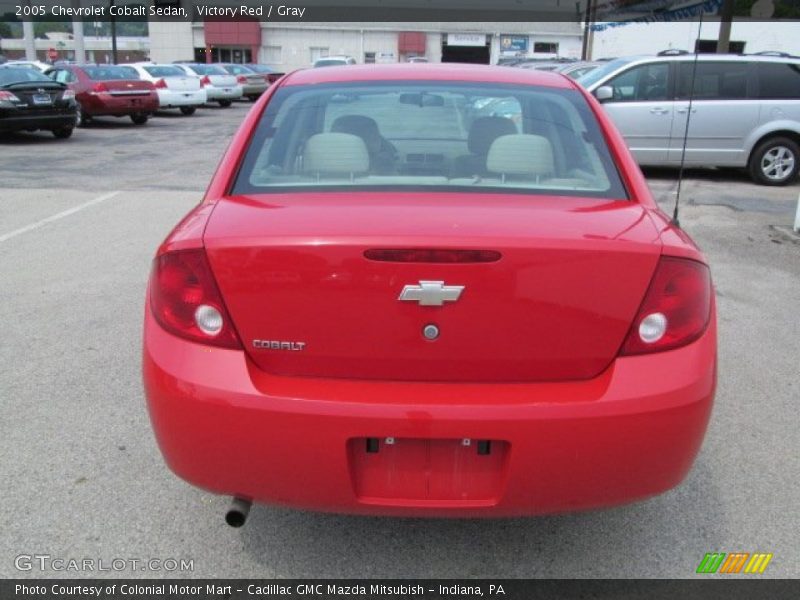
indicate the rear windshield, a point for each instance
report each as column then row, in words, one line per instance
column 106, row 73
column 331, row 62
column 448, row 136
column 16, row 75
column 208, row 70
column 165, row 71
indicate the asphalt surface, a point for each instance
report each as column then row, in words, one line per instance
column 83, row 478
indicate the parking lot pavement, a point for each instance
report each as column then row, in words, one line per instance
column 83, row 477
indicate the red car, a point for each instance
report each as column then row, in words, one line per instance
column 388, row 303
column 108, row 90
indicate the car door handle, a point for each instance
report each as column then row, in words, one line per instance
column 683, row 111
column 659, row 111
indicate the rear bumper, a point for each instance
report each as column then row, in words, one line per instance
column 19, row 122
column 174, row 99
column 226, row 426
column 219, row 93
column 106, row 104
column 251, row 89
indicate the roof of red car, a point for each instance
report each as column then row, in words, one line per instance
column 427, row 72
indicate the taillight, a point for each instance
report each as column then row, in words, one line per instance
column 160, row 84
column 8, row 96
column 185, row 299
column 241, row 79
column 204, row 81
column 676, row 308
column 100, row 88
column 68, row 95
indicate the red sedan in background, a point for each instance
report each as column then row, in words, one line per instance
column 390, row 303
column 108, row 90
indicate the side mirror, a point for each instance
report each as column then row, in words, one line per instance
column 603, row 93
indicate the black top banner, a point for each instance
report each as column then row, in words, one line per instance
column 733, row 588
column 318, row 11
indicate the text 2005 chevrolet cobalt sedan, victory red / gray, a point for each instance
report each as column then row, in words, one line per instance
column 396, row 299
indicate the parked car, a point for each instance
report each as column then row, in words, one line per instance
column 270, row 74
column 347, row 324
column 220, row 86
column 417, row 59
column 745, row 110
column 107, row 90
column 31, row 64
column 175, row 88
column 334, row 61
column 578, row 69
column 253, row 84
column 31, row 101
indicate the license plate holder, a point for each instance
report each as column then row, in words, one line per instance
column 423, row 471
column 42, row 99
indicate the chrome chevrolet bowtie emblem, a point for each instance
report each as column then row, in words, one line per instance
column 431, row 293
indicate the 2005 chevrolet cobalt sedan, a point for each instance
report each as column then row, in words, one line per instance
column 391, row 302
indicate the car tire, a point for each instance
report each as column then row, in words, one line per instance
column 225, row 103
column 63, row 132
column 188, row 110
column 81, row 118
column 139, row 119
column 775, row 161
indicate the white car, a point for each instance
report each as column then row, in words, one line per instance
column 30, row 64
column 220, row 86
column 175, row 88
column 334, row 61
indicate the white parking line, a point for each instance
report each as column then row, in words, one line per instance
column 57, row 216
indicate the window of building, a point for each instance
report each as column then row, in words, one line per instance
column 318, row 52
column 369, row 58
column 545, row 47
column 272, row 54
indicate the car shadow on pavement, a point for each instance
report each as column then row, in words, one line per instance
column 664, row 536
column 710, row 174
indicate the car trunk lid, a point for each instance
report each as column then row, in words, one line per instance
column 556, row 305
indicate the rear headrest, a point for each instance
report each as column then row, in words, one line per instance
column 335, row 154
column 485, row 130
column 521, row 154
column 364, row 127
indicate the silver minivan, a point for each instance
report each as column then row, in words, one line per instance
column 745, row 110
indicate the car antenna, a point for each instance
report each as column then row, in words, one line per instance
column 675, row 219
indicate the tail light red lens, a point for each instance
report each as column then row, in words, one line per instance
column 241, row 79
column 676, row 308
column 99, row 88
column 185, row 299
column 204, row 81
column 8, row 96
column 161, row 84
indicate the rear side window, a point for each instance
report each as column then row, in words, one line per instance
column 713, row 80
column 778, row 80
column 445, row 136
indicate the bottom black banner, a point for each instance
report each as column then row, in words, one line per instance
column 375, row 589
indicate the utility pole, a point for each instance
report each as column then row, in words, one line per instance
column 77, row 35
column 726, row 16
column 587, row 30
column 29, row 39
column 113, row 37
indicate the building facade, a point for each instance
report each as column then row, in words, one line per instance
column 288, row 46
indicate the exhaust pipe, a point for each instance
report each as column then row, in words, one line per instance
column 238, row 511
